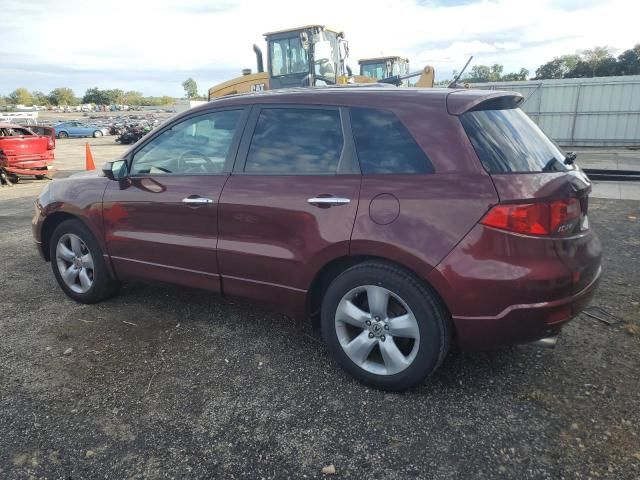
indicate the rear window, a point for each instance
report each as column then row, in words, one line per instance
column 385, row 145
column 508, row 141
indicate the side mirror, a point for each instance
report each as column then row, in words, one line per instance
column 115, row 170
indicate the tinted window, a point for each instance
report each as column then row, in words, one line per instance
column 385, row 145
column 295, row 141
column 196, row 146
column 507, row 141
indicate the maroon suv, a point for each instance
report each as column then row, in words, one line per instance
column 400, row 218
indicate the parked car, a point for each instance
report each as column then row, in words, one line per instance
column 77, row 129
column 400, row 219
column 24, row 152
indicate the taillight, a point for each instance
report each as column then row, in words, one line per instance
column 51, row 144
column 557, row 217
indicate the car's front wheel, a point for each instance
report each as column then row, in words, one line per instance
column 384, row 326
column 97, row 134
column 63, row 135
column 78, row 263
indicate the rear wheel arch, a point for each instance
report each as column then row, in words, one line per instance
column 335, row 267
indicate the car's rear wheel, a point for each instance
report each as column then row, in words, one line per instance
column 97, row 134
column 63, row 135
column 78, row 263
column 384, row 326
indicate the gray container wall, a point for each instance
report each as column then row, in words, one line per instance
column 601, row 111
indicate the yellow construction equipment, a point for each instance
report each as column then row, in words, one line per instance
column 306, row 56
column 380, row 68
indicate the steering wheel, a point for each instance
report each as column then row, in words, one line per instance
column 195, row 168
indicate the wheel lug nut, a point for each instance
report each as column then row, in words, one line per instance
column 386, row 327
column 370, row 334
column 383, row 338
column 368, row 322
column 377, row 319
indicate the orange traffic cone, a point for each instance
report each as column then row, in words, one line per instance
column 88, row 162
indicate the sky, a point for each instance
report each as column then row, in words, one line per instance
column 152, row 46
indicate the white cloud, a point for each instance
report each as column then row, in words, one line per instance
column 152, row 44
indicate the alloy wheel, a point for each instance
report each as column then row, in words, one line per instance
column 377, row 330
column 75, row 263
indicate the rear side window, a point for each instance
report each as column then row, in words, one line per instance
column 385, row 145
column 508, row 141
column 292, row 141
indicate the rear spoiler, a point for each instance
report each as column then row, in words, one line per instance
column 462, row 101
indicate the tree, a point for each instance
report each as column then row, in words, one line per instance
column 558, row 67
column 166, row 100
column 39, row 98
column 133, row 98
column 516, row 76
column 62, row 96
column 629, row 61
column 190, row 88
column 596, row 56
column 95, row 95
column 21, row 96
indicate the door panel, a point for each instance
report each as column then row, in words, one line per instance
column 151, row 233
column 161, row 221
column 272, row 241
column 272, row 238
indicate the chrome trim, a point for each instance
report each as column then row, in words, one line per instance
column 328, row 201
column 197, row 200
column 548, row 342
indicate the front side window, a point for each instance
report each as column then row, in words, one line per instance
column 292, row 141
column 196, row 146
column 508, row 141
column 288, row 57
column 384, row 144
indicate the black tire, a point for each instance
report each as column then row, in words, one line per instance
column 63, row 135
column 97, row 134
column 432, row 319
column 103, row 286
column 40, row 177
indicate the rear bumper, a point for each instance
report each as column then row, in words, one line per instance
column 522, row 323
column 503, row 288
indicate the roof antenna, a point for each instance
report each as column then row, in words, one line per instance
column 454, row 84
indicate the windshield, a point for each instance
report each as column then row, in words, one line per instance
column 373, row 70
column 288, row 57
column 325, row 55
column 508, row 141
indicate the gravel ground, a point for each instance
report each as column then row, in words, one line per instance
column 165, row 382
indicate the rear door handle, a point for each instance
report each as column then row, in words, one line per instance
column 330, row 201
column 196, row 200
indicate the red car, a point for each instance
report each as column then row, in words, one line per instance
column 22, row 152
column 401, row 219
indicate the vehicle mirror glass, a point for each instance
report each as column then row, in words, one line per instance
column 115, row 170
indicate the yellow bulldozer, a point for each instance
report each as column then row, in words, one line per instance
column 379, row 68
column 307, row 56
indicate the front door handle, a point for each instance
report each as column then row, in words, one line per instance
column 196, row 200
column 329, row 201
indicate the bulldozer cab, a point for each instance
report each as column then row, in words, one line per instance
column 384, row 67
column 305, row 56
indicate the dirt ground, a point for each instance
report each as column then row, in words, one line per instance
column 165, row 382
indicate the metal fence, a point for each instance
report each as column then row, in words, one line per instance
column 601, row 111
